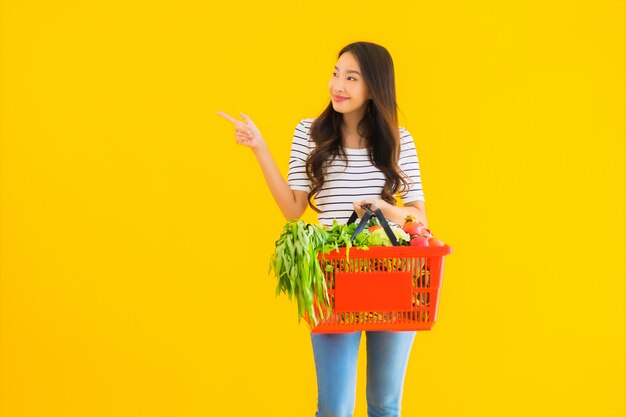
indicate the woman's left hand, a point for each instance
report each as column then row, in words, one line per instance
column 375, row 203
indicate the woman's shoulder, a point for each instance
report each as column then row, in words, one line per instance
column 307, row 122
column 301, row 134
column 405, row 136
column 304, row 125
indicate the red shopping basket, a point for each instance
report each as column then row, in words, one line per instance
column 383, row 288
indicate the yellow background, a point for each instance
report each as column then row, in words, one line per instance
column 136, row 234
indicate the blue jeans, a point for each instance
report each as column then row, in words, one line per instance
column 336, row 362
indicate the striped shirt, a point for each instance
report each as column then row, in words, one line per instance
column 358, row 181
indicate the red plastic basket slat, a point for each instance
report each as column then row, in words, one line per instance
column 378, row 291
column 383, row 288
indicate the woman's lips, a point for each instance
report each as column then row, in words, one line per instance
column 339, row 98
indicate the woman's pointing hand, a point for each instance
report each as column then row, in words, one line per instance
column 246, row 132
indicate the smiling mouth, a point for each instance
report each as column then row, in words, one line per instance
column 339, row 98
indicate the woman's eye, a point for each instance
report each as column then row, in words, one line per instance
column 349, row 78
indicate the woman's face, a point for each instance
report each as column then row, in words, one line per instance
column 348, row 90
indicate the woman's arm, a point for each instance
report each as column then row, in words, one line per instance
column 394, row 213
column 416, row 209
column 292, row 203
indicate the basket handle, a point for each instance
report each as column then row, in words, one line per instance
column 366, row 217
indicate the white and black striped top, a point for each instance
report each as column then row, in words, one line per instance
column 360, row 180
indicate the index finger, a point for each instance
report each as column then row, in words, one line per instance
column 228, row 117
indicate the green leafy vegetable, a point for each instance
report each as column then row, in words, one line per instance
column 295, row 260
column 297, row 269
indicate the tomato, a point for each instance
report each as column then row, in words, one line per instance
column 419, row 241
column 412, row 227
column 433, row 241
column 373, row 228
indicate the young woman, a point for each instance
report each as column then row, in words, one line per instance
column 353, row 154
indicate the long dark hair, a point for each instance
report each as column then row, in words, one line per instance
column 379, row 125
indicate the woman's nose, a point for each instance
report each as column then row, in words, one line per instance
column 337, row 85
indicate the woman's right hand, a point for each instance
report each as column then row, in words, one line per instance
column 246, row 132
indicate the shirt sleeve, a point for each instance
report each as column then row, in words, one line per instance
column 297, row 178
column 409, row 164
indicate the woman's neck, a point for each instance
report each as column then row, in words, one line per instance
column 350, row 131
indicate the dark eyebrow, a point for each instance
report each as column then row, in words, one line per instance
column 350, row 71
